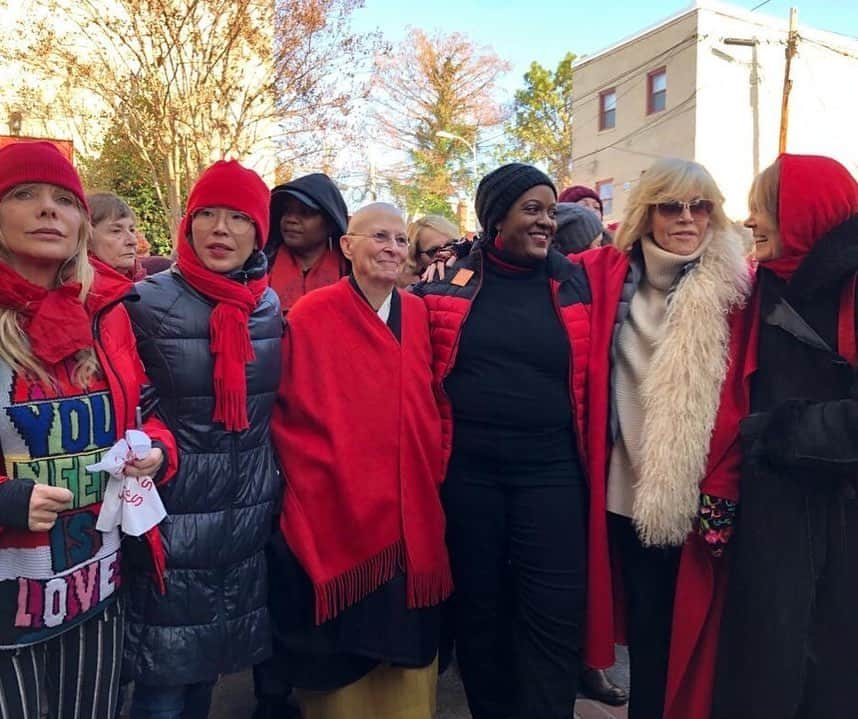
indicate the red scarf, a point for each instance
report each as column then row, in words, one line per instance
column 229, row 331
column 55, row 321
column 358, row 434
column 291, row 282
column 816, row 194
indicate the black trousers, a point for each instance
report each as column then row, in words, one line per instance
column 649, row 581
column 77, row 671
column 519, row 565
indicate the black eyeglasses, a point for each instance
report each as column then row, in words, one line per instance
column 674, row 208
column 207, row 217
column 431, row 252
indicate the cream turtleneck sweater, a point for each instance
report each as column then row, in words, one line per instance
column 638, row 339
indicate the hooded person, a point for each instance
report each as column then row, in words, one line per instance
column 359, row 568
column 514, row 449
column 307, row 218
column 578, row 229
column 209, row 332
column 70, row 386
column 790, row 627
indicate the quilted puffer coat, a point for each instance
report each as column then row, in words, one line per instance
column 222, row 503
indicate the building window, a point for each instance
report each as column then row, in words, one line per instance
column 656, row 83
column 607, row 109
column 605, row 188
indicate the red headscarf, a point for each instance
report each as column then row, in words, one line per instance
column 227, row 184
column 815, row 195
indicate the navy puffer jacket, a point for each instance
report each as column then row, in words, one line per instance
column 221, row 504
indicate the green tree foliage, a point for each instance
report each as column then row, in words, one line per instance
column 116, row 171
column 541, row 129
column 429, row 84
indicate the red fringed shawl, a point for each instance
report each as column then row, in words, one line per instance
column 358, row 434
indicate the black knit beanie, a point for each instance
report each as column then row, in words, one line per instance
column 499, row 189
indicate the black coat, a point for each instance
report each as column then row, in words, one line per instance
column 790, row 628
column 221, row 504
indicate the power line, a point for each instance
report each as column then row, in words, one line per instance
column 671, row 112
column 632, row 80
column 766, row 2
column 825, row 45
column 651, row 62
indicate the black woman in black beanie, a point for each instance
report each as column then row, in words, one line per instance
column 510, row 333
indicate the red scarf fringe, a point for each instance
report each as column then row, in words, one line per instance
column 423, row 590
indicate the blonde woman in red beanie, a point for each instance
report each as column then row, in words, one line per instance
column 70, row 384
column 209, row 332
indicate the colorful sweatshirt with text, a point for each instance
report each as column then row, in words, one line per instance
column 52, row 581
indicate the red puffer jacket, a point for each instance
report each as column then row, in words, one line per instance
column 449, row 302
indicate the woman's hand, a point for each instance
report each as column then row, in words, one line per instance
column 443, row 258
column 146, row 467
column 46, row 503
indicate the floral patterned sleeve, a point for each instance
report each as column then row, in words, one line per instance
column 715, row 519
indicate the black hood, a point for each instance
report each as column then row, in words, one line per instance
column 316, row 190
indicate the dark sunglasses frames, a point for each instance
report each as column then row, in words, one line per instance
column 697, row 208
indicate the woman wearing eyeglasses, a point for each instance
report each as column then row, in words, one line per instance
column 426, row 236
column 209, row 333
column 789, row 632
column 663, row 434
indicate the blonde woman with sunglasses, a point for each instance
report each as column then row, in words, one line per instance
column 663, row 425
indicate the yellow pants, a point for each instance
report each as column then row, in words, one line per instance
column 385, row 693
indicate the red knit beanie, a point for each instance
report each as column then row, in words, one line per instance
column 229, row 184
column 576, row 192
column 28, row 162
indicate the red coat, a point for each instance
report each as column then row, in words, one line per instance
column 700, row 587
column 116, row 348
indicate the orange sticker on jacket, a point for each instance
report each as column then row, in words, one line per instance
column 462, row 277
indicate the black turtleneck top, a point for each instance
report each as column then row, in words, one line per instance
column 510, row 384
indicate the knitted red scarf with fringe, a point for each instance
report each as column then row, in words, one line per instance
column 230, row 334
column 358, row 434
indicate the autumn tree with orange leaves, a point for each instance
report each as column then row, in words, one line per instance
column 427, row 84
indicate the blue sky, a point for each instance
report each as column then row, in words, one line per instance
column 544, row 30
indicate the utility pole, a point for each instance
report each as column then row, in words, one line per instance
column 792, row 42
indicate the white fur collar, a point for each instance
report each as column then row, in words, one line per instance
column 681, row 392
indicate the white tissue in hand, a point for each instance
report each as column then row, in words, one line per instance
column 113, row 461
column 139, row 443
column 132, row 502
